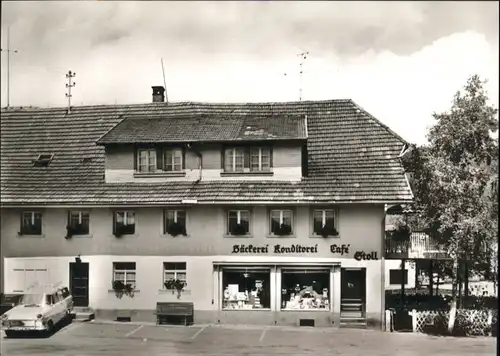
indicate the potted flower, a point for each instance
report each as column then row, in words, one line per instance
column 283, row 229
column 121, row 288
column 176, row 228
column 175, row 285
column 121, row 230
column 238, row 230
column 326, row 231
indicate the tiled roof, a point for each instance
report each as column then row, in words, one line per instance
column 352, row 156
column 171, row 128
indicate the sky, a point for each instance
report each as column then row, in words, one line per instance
column 400, row 61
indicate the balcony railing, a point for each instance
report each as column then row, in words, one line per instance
column 419, row 246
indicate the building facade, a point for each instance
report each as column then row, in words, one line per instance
column 269, row 213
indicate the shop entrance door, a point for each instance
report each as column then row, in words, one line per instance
column 79, row 283
column 353, row 293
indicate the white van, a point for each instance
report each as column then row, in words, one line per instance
column 38, row 310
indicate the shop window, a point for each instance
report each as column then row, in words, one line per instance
column 305, row 289
column 124, row 272
column 396, row 277
column 238, row 222
column 245, row 289
column 31, row 223
column 281, row 222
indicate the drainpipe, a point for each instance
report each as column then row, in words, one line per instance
column 198, row 153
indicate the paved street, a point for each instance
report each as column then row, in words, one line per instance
column 97, row 338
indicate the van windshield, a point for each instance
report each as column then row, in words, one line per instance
column 31, row 300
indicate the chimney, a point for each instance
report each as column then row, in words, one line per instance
column 158, row 94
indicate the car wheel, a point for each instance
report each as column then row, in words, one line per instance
column 50, row 328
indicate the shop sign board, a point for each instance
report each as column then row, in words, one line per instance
column 298, row 248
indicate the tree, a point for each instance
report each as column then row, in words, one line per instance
column 456, row 179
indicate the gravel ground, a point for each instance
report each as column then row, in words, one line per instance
column 106, row 338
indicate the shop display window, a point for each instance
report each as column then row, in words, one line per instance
column 245, row 289
column 305, row 289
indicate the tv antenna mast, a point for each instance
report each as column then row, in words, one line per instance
column 164, row 81
column 70, row 85
column 8, row 50
column 303, row 57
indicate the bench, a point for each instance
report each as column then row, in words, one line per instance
column 166, row 310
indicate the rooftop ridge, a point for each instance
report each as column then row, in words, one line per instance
column 171, row 103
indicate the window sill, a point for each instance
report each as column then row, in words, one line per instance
column 174, row 292
column 246, row 310
column 113, row 291
column 159, row 175
column 83, row 236
column 238, row 236
column 307, row 310
column 32, row 235
column 281, row 236
column 175, row 237
column 323, row 237
column 236, row 174
column 124, row 235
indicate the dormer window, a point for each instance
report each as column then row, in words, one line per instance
column 247, row 159
column 146, row 160
column 173, row 160
column 43, row 160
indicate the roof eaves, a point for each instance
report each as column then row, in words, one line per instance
column 387, row 128
column 99, row 141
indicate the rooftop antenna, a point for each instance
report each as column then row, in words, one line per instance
column 8, row 50
column 303, row 57
column 70, row 85
column 164, row 81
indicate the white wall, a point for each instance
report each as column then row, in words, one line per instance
column 396, row 264
column 202, row 280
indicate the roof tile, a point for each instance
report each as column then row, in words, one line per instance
column 351, row 155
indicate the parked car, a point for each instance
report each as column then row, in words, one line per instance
column 38, row 310
column 8, row 301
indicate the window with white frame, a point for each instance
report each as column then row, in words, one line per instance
column 174, row 222
column 260, row 159
column 247, row 159
column 173, row 160
column 124, row 272
column 238, row 222
column 124, row 223
column 173, row 271
column 79, row 222
column 234, row 160
column 324, row 222
column 146, row 160
column 281, row 222
column 31, row 223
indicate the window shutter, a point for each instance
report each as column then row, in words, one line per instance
column 183, row 150
column 222, row 157
column 21, row 222
column 114, row 222
column 246, row 158
column 159, row 159
column 135, row 158
column 69, row 218
column 270, row 157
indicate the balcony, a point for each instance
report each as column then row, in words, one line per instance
column 419, row 246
